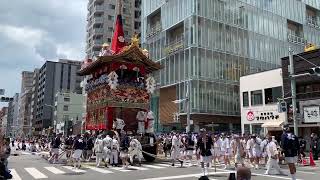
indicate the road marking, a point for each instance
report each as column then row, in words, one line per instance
column 120, row 169
column 306, row 172
column 54, row 170
column 183, row 176
column 15, row 175
column 278, row 177
column 138, row 168
column 35, row 173
column 164, row 165
column 74, row 169
column 100, row 170
column 25, row 153
column 152, row 166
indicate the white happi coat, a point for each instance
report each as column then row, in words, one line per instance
column 135, row 149
column 175, row 149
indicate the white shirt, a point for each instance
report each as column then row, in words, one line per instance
column 107, row 142
column 271, row 149
column 98, row 145
column 115, row 144
column 225, row 144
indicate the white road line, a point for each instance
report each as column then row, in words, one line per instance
column 138, row 168
column 25, row 153
column 120, row 169
column 74, row 170
column 152, row 166
column 35, row 173
column 54, row 170
column 15, row 175
column 164, row 165
column 182, row 176
column 278, row 177
column 100, row 170
column 307, row 172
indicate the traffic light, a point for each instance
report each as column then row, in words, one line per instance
column 314, row 71
column 282, row 107
column 6, row 99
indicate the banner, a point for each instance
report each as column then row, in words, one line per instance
column 311, row 114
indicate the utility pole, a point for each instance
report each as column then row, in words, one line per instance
column 293, row 93
column 188, row 106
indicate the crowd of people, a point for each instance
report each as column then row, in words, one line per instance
column 204, row 149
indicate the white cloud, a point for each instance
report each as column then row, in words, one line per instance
column 23, row 35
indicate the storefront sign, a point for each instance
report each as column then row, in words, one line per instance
column 311, row 114
column 262, row 116
column 250, row 116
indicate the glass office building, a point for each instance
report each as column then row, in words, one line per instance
column 211, row 43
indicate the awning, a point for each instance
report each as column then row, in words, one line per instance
column 272, row 124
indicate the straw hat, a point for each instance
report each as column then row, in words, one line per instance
column 105, row 45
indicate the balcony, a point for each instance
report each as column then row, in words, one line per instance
column 296, row 39
column 154, row 30
column 98, row 30
column 174, row 45
column 313, row 21
column 97, row 20
column 98, row 8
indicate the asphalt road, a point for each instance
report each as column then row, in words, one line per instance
column 30, row 167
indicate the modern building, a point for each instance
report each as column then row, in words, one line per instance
column 3, row 119
column 101, row 18
column 34, row 99
column 212, row 43
column 54, row 77
column 24, row 121
column 307, row 92
column 13, row 113
column 259, row 97
column 68, row 111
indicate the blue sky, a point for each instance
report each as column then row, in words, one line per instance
column 32, row 31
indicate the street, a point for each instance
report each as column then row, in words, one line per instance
column 29, row 166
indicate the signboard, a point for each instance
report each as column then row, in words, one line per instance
column 1, row 91
column 311, row 114
column 261, row 116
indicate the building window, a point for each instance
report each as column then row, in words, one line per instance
column 110, row 18
column 111, row 6
column 66, row 99
column 245, row 99
column 65, row 108
column 272, row 94
column 256, row 97
column 110, row 29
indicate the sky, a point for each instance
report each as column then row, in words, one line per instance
column 33, row 31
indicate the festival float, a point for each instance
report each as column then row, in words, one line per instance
column 119, row 88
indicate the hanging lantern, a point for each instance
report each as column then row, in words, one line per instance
column 151, row 84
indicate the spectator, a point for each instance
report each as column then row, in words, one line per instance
column 243, row 173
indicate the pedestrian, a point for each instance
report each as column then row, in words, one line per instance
column 204, row 146
column 98, row 148
column 88, row 146
column 238, row 151
column 124, row 145
column 255, row 143
column 290, row 148
column 55, row 148
column 190, row 148
column 78, row 147
column 243, row 173
column 302, row 145
column 107, row 144
column 272, row 154
column 115, row 149
column 225, row 150
column 175, row 148
column 217, row 148
column 68, row 147
column 135, row 150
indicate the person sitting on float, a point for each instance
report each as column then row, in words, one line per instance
column 106, row 51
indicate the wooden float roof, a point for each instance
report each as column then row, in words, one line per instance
column 129, row 54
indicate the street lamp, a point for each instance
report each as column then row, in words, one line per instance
column 187, row 101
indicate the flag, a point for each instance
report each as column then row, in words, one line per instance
column 118, row 41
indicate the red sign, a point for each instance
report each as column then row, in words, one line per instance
column 250, row 116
